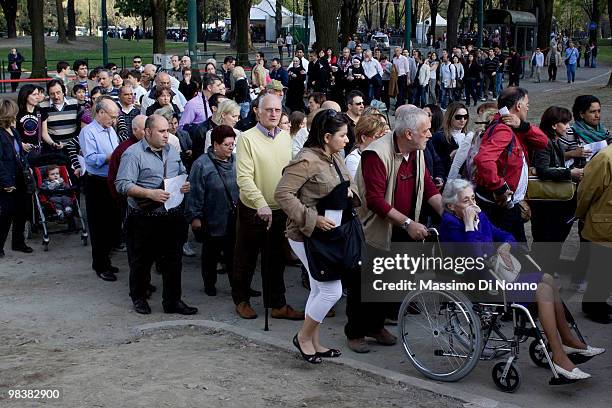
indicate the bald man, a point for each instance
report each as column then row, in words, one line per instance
column 331, row 105
column 98, row 140
column 153, row 233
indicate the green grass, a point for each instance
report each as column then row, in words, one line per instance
column 604, row 55
column 91, row 48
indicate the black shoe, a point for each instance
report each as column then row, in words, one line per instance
column 2, row 254
column 311, row 358
column 180, row 308
column 150, row 290
column 212, row 291
column 141, row 306
column 107, row 276
column 254, row 293
column 113, row 269
column 23, row 248
column 597, row 312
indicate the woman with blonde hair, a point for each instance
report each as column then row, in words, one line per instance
column 369, row 128
column 447, row 140
column 228, row 113
column 242, row 95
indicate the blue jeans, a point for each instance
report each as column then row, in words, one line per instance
column 571, row 72
column 446, row 96
column 499, row 82
column 593, row 62
column 244, row 109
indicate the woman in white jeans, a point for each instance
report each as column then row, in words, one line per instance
column 311, row 176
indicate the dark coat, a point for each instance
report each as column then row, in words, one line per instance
column 11, row 165
column 550, row 164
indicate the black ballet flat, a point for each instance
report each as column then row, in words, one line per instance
column 311, row 358
column 331, row 353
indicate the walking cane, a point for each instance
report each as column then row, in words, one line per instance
column 265, row 285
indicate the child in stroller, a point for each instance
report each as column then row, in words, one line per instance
column 55, row 185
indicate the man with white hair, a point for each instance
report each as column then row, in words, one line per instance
column 394, row 184
column 195, row 72
column 162, row 79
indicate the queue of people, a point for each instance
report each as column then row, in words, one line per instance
column 267, row 170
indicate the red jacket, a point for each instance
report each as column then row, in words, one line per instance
column 499, row 160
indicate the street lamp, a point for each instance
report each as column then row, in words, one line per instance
column 104, row 34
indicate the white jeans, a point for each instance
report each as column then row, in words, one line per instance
column 323, row 295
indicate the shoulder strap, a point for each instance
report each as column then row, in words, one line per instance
column 338, row 170
column 420, row 186
column 227, row 191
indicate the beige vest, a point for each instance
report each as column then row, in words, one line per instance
column 378, row 230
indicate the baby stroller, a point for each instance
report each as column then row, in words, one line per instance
column 45, row 211
column 445, row 334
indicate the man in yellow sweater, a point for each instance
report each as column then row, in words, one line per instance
column 262, row 153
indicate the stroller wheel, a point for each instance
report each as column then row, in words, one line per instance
column 512, row 382
column 537, row 354
column 84, row 241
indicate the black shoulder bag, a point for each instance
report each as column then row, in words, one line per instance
column 333, row 254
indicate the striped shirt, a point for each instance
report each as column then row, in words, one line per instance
column 62, row 122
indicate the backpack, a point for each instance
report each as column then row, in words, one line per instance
column 470, row 167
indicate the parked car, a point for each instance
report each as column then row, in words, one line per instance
column 380, row 40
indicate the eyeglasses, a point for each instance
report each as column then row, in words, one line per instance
column 464, row 117
column 228, row 145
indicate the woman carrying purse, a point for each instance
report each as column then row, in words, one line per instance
column 14, row 197
column 317, row 195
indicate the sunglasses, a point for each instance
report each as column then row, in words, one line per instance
column 137, row 61
column 357, row 103
column 464, row 117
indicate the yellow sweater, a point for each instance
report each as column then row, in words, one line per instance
column 260, row 161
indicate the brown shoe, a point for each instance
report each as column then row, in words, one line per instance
column 358, row 345
column 383, row 337
column 245, row 310
column 287, row 312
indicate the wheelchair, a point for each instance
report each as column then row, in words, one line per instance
column 444, row 335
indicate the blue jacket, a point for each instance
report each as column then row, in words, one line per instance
column 207, row 199
column 10, row 165
column 280, row 74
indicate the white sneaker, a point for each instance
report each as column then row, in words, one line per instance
column 578, row 287
column 188, row 250
column 575, row 374
column 588, row 352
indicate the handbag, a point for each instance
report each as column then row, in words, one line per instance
column 333, row 254
column 503, row 272
column 546, row 190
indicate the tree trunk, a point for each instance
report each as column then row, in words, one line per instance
column 397, row 17
column 383, row 13
column 545, row 15
column 9, row 7
column 160, row 21
column 368, row 13
column 70, row 11
column 243, row 28
column 433, row 6
column 596, row 18
column 414, row 18
column 233, row 25
column 61, row 23
column 278, row 18
column 610, row 19
column 200, row 19
column 325, row 14
column 452, row 23
column 37, row 28
column 349, row 19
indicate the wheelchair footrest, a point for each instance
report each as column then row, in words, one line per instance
column 560, row 381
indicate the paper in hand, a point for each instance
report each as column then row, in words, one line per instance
column 173, row 186
column 504, row 111
column 335, row 216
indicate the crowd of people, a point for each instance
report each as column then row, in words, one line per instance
column 275, row 163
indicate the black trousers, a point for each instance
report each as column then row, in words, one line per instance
column 156, row 239
column 215, row 249
column 600, row 284
column 507, row 219
column 552, row 72
column 402, row 90
column 514, row 79
column 252, row 238
column 549, row 224
column 15, row 85
column 103, row 219
column 14, row 208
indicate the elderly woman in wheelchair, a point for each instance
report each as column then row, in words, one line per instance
column 464, row 330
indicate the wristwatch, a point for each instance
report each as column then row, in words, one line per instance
column 406, row 223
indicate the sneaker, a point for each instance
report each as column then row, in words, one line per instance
column 188, row 250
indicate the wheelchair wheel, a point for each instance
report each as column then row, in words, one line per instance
column 440, row 333
column 537, row 354
column 512, row 382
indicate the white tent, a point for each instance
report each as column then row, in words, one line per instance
column 423, row 26
column 266, row 11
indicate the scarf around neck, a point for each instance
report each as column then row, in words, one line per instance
column 590, row 134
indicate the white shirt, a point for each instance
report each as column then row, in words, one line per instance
column 352, row 162
column 139, row 91
column 289, row 40
column 539, row 59
column 174, row 142
column 402, row 65
column 298, row 141
column 521, row 189
column 371, row 68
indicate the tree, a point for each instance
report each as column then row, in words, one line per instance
column 37, row 29
column 160, row 22
column 452, row 23
column 433, row 6
column 610, row 19
column 368, row 13
column 200, row 6
column 70, row 11
column 61, row 23
column 349, row 19
column 9, row 8
column 136, row 8
column 383, row 13
column 278, row 17
column 325, row 15
column 414, row 17
column 242, row 27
